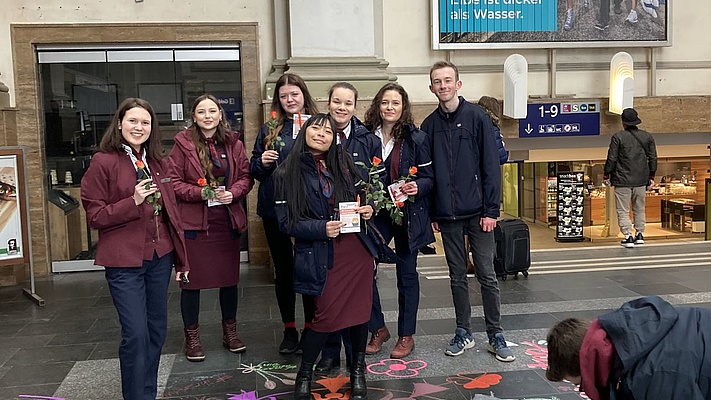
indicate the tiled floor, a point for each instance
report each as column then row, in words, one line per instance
column 68, row 349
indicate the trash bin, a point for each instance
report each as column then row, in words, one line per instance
column 64, row 226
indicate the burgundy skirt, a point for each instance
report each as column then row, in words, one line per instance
column 348, row 294
column 213, row 254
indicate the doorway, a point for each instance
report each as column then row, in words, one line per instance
column 81, row 87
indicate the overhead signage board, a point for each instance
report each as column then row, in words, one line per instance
column 561, row 119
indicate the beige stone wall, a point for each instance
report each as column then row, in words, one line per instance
column 172, row 13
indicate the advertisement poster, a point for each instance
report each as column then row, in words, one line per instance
column 468, row 24
column 11, row 246
column 571, row 199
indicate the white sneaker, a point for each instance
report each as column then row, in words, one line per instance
column 632, row 18
column 649, row 10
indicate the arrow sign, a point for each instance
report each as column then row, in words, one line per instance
column 528, row 129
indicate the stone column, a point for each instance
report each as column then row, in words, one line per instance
column 332, row 41
column 4, row 95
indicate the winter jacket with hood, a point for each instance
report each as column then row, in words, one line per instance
column 665, row 350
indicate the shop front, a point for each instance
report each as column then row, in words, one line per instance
column 675, row 204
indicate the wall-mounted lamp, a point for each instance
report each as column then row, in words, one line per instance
column 621, row 82
column 516, row 86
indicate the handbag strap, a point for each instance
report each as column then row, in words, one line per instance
column 644, row 149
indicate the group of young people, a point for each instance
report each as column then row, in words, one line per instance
column 187, row 211
column 454, row 188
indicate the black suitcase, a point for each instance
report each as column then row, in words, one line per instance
column 513, row 248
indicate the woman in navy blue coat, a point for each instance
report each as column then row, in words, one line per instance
column 273, row 144
column 336, row 268
column 405, row 154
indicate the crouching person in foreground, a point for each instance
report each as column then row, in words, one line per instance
column 335, row 267
column 645, row 350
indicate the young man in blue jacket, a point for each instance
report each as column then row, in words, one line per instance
column 466, row 201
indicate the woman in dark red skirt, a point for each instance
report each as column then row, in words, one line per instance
column 211, row 177
column 336, row 268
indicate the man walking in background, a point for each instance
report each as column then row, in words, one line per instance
column 466, row 200
column 630, row 167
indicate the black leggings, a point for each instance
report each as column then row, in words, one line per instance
column 190, row 304
column 314, row 341
column 282, row 252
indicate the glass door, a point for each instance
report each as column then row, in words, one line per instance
column 82, row 88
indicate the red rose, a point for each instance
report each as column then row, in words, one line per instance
column 412, row 171
column 140, row 164
column 376, row 161
column 274, row 114
column 399, row 204
column 202, row 182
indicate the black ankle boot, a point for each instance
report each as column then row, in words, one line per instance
column 359, row 391
column 326, row 366
column 302, row 388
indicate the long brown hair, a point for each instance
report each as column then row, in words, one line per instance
column 113, row 140
column 221, row 136
column 373, row 117
column 492, row 108
column 309, row 105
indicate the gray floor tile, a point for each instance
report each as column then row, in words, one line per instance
column 51, row 354
column 36, row 374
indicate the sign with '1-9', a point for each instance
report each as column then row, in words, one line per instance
column 561, row 119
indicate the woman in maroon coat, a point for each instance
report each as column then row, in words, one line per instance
column 211, row 178
column 128, row 196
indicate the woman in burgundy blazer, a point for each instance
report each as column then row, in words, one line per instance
column 204, row 154
column 128, row 196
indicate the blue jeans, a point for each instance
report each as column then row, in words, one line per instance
column 408, row 284
column 483, row 248
column 140, row 295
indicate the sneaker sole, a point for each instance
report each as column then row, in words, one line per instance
column 287, row 351
column 237, row 350
column 195, row 359
column 460, row 352
column 498, row 357
column 628, row 245
column 601, row 28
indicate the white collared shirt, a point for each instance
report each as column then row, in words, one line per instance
column 346, row 132
column 387, row 148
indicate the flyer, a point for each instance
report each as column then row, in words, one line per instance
column 349, row 216
column 299, row 120
column 396, row 193
column 215, row 202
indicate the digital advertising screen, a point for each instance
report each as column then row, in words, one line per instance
column 480, row 24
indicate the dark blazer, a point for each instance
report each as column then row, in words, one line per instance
column 265, row 198
column 107, row 195
column 313, row 250
column 187, row 171
column 415, row 152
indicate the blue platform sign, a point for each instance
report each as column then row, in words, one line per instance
column 561, row 119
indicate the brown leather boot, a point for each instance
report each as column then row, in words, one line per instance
column 404, row 347
column 229, row 337
column 377, row 339
column 193, row 348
